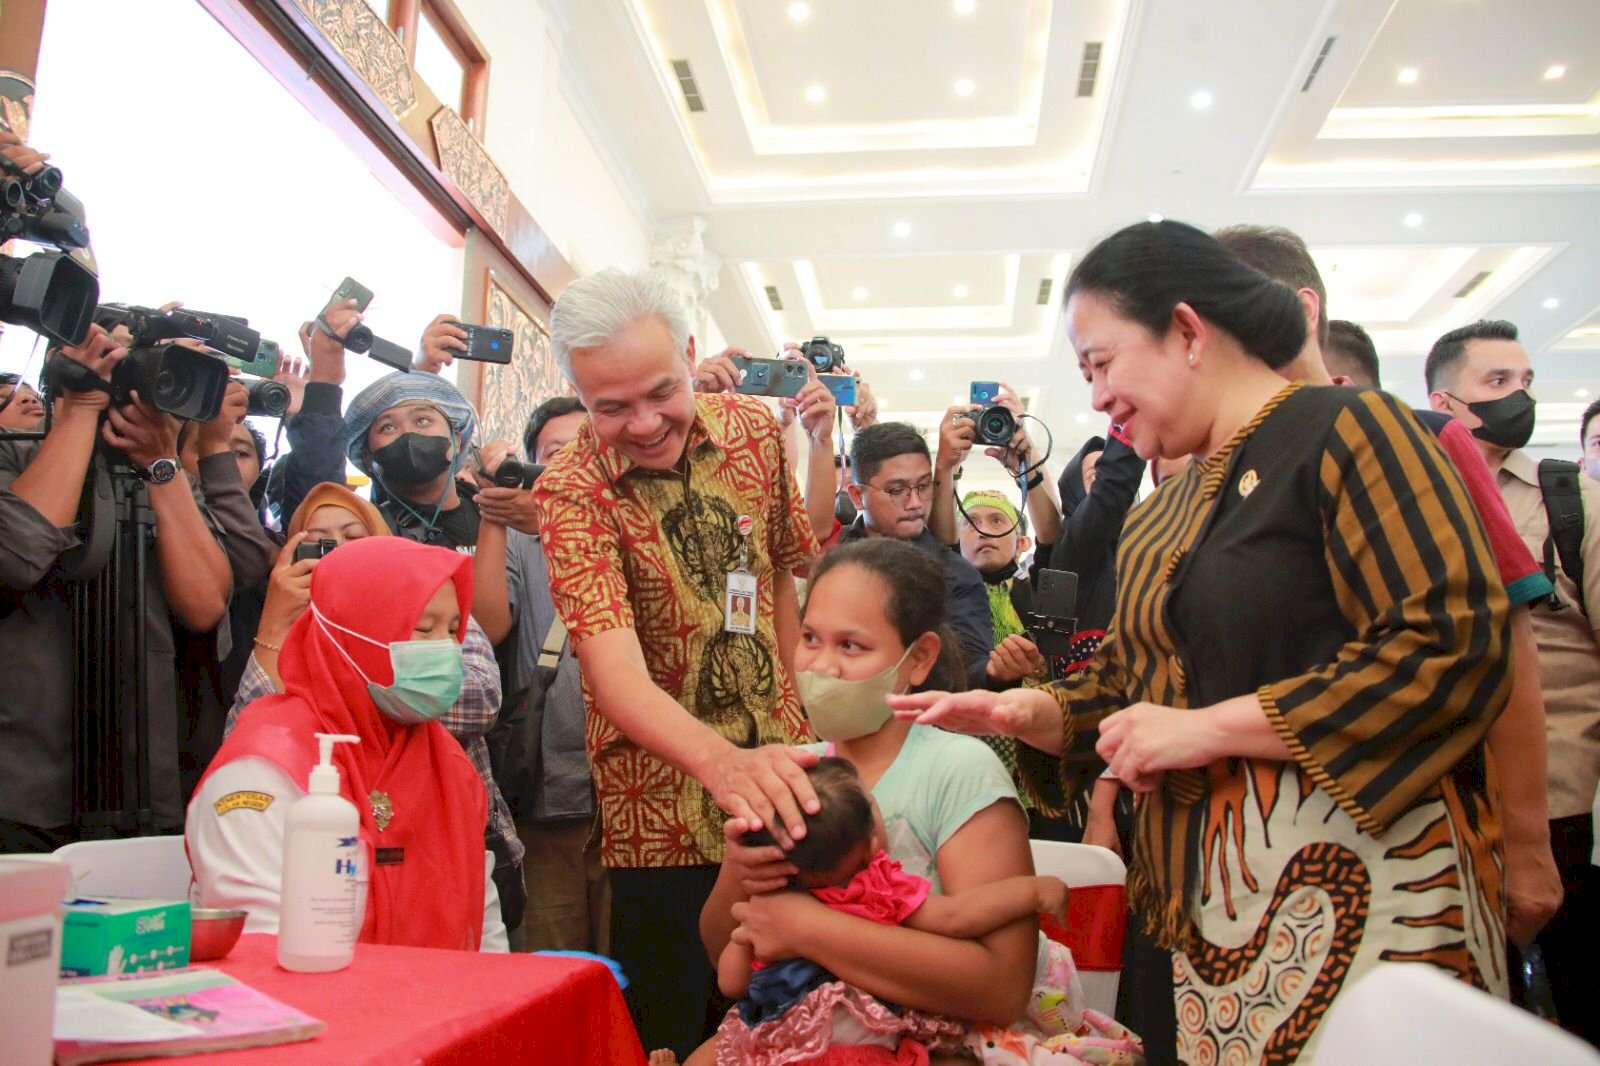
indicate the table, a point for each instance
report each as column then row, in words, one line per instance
column 423, row 1005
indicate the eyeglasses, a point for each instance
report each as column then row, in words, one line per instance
column 898, row 490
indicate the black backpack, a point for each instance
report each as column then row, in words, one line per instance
column 1563, row 504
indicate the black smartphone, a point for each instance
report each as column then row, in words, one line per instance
column 314, row 549
column 1056, row 595
column 770, row 377
column 487, row 344
column 390, row 354
column 351, row 289
column 843, row 387
column 985, row 392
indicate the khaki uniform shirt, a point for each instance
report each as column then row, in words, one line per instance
column 1569, row 659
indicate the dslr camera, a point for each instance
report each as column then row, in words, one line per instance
column 996, row 424
column 824, row 355
column 515, row 474
column 48, row 292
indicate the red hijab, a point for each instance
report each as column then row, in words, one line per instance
column 378, row 586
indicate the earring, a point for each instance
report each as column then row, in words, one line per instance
column 1191, row 359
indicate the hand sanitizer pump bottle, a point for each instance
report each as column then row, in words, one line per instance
column 324, row 872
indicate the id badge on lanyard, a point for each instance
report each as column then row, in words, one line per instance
column 741, row 595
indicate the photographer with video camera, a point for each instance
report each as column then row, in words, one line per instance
column 187, row 582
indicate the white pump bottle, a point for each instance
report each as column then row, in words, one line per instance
column 324, row 872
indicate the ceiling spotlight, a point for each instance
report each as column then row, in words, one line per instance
column 1414, row 219
column 965, row 7
column 902, row 230
column 1154, row 216
column 816, row 94
column 1582, row 394
column 1551, row 304
column 1201, row 100
column 1557, row 71
column 1407, row 76
column 964, row 87
column 916, row 375
column 858, row 293
column 1081, row 419
column 959, row 292
column 799, row 12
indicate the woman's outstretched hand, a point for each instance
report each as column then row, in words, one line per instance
column 1031, row 715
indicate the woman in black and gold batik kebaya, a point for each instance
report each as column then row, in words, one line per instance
column 1309, row 645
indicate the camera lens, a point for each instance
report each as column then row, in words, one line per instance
column 997, row 425
column 169, row 390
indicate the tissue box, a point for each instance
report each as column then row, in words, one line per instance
column 110, row 936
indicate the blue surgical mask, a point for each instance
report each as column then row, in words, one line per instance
column 427, row 675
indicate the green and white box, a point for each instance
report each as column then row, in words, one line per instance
column 109, row 935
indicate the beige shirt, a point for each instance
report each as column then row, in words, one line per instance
column 1569, row 659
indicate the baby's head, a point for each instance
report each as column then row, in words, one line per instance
column 842, row 836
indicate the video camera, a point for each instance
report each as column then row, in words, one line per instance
column 514, row 474
column 823, row 354
column 48, row 292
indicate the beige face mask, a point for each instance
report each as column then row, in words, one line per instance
column 844, row 710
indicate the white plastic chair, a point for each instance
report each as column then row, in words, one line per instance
column 1411, row 1012
column 1097, row 914
column 138, row 867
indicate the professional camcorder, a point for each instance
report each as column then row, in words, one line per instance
column 171, row 377
column 48, row 292
column 514, row 474
column 823, row 354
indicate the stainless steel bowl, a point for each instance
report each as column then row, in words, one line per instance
column 212, row 933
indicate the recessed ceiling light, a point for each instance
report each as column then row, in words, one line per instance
column 965, row 7
column 1551, row 304
column 816, row 94
column 964, row 87
column 902, row 230
column 1582, row 394
column 959, row 292
column 916, row 375
column 858, row 293
column 1201, row 100
column 1414, row 219
column 1081, row 419
column 1407, row 76
column 1155, row 217
column 1557, row 71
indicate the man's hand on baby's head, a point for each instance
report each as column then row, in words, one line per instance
column 1053, row 895
column 759, row 869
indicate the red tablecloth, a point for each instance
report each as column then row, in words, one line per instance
column 421, row 1005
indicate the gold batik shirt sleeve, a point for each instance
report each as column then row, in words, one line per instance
column 584, row 558
column 1413, row 692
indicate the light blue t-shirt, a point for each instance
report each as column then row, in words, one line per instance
column 937, row 782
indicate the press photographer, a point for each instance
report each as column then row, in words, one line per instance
column 54, row 793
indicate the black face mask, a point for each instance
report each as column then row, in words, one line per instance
column 1507, row 422
column 412, row 459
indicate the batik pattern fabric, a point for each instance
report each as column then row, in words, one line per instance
column 629, row 548
column 1378, row 650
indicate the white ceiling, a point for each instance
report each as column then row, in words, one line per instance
column 895, row 184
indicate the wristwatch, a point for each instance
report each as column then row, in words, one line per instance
column 160, row 472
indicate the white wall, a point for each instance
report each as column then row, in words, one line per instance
column 536, row 138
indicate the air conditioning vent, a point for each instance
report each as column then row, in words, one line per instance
column 1472, row 283
column 691, row 91
column 1044, row 290
column 1090, row 70
column 773, row 298
column 1316, row 65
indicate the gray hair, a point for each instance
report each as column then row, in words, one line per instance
column 593, row 310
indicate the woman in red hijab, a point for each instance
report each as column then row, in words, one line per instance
column 377, row 655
